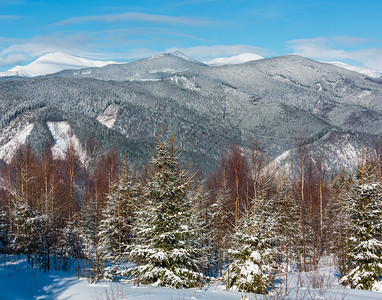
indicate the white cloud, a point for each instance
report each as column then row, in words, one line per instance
column 349, row 40
column 334, row 49
column 11, row 59
column 134, row 16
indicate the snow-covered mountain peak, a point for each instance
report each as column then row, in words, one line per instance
column 175, row 54
column 183, row 56
column 233, row 60
column 362, row 70
column 52, row 63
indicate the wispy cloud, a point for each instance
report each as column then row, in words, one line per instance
column 201, row 53
column 21, row 51
column 6, row 40
column 12, row 2
column 336, row 48
column 192, row 2
column 146, row 32
column 137, row 53
column 10, row 17
column 135, row 16
column 267, row 12
column 349, row 40
column 108, row 44
column 12, row 59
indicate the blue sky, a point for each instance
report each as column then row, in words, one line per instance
column 337, row 30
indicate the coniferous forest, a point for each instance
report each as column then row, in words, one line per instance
column 167, row 225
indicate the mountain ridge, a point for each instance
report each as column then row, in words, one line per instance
column 209, row 108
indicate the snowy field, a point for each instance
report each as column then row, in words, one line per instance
column 19, row 282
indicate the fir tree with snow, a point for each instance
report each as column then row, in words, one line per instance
column 88, row 228
column 166, row 251
column 89, row 222
column 70, row 240
column 24, row 229
column 4, row 231
column 286, row 234
column 302, row 237
column 337, row 222
column 221, row 228
column 251, row 270
column 365, row 205
column 114, row 233
column 32, row 234
column 200, row 220
column 70, row 244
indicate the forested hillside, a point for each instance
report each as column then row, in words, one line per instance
column 245, row 225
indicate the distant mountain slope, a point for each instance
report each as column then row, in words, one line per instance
column 340, row 97
column 271, row 101
column 52, row 127
column 52, row 63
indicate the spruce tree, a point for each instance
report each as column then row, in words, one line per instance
column 88, row 228
column 70, row 244
column 89, row 220
column 200, row 220
column 114, row 232
column 31, row 234
column 221, row 228
column 251, row 271
column 365, row 241
column 4, row 231
column 285, row 230
column 337, row 223
column 165, row 250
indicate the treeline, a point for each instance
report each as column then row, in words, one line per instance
column 245, row 224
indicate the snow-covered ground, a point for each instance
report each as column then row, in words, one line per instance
column 12, row 137
column 63, row 137
column 19, row 282
column 109, row 116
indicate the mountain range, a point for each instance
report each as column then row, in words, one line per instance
column 271, row 101
column 57, row 61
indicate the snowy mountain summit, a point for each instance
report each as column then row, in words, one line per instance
column 177, row 54
column 362, row 70
column 52, row 63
